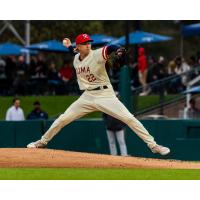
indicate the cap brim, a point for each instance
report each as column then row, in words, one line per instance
column 87, row 41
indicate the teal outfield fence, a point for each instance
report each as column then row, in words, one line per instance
column 182, row 136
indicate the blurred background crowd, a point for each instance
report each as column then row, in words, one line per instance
column 163, row 57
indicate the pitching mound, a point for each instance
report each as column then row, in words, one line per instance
column 12, row 157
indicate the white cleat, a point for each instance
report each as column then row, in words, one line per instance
column 160, row 149
column 37, row 144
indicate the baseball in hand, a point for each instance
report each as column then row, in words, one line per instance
column 67, row 42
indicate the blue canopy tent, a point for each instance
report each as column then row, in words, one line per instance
column 101, row 39
column 141, row 37
column 49, row 46
column 189, row 30
column 13, row 49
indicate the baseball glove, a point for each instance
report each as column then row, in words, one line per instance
column 120, row 57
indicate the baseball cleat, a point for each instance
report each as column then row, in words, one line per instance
column 160, row 149
column 37, row 144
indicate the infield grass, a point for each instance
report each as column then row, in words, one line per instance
column 97, row 174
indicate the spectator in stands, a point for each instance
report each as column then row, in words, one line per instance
column 15, row 113
column 37, row 112
column 2, row 68
column 66, row 74
column 32, row 66
column 158, row 73
column 171, row 67
column 179, row 82
column 38, row 80
column 143, row 70
column 182, row 67
column 41, row 67
column 151, row 63
column 53, row 79
column 192, row 111
column 115, row 130
column 3, row 78
column 134, row 75
column 19, row 83
column 193, row 65
column 10, row 71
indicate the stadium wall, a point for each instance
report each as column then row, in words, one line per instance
column 182, row 136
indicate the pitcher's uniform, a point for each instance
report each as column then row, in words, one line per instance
column 98, row 96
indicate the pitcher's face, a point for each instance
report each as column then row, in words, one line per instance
column 84, row 48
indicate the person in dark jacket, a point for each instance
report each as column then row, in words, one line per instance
column 115, row 131
column 37, row 113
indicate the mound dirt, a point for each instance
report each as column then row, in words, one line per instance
column 47, row 158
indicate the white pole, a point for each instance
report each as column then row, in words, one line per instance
column 27, row 39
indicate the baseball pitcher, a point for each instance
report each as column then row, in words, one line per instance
column 98, row 93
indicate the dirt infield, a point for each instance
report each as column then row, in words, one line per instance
column 47, row 158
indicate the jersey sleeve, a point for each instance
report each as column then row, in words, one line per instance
column 101, row 54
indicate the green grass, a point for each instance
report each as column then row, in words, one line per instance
column 55, row 105
column 97, row 174
column 151, row 100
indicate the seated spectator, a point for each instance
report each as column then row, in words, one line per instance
column 179, row 83
column 10, row 70
column 66, row 74
column 3, row 78
column 171, row 67
column 158, row 73
column 38, row 78
column 194, row 66
column 54, row 80
column 32, row 66
column 15, row 113
column 37, row 112
column 2, row 68
column 192, row 112
column 152, row 62
column 19, row 83
column 134, row 75
column 182, row 67
column 41, row 67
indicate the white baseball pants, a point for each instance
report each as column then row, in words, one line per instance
column 98, row 100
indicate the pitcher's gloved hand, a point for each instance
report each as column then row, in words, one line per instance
column 120, row 56
column 121, row 52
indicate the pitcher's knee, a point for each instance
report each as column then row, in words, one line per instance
column 128, row 119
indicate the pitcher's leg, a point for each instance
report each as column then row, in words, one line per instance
column 122, row 143
column 113, row 107
column 112, row 143
column 78, row 109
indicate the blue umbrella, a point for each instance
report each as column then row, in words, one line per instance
column 192, row 90
column 140, row 37
column 190, row 30
column 100, row 39
column 13, row 49
column 50, row 46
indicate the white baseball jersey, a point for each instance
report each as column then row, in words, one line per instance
column 91, row 71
